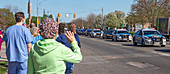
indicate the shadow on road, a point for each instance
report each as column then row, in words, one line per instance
column 110, row 40
column 163, row 50
column 138, row 45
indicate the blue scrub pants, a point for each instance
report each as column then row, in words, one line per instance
column 17, row 67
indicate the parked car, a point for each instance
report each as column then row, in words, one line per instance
column 149, row 37
column 87, row 33
column 107, row 34
column 83, row 31
column 96, row 33
column 121, row 35
column 78, row 31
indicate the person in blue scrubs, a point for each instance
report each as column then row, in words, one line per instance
column 18, row 45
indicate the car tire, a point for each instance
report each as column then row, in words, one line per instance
column 162, row 45
column 142, row 43
column 116, row 39
column 112, row 38
column 134, row 43
column 102, row 37
column 130, row 40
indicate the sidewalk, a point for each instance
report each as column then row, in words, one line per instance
column 3, row 52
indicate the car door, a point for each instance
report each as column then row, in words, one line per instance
column 114, row 35
column 138, row 36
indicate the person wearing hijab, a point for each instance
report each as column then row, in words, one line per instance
column 47, row 56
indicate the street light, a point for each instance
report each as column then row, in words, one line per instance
column 37, row 10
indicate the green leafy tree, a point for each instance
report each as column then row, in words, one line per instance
column 114, row 19
column 147, row 11
column 6, row 17
column 51, row 16
column 98, row 21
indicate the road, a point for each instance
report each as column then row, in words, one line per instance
column 107, row 57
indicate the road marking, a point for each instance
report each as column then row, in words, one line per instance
column 143, row 65
column 164, row 54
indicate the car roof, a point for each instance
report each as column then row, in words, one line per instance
column 121, row 30
column 149, row 29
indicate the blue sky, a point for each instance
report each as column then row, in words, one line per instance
column 70, row 6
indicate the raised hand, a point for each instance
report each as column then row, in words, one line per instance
column 70, row 36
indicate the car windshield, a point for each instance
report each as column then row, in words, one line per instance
column 150, row 32
column 88, row 30
column 122, row 32
column 109, row 31
column 97, row 31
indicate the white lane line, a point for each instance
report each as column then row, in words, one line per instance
column 160, row 53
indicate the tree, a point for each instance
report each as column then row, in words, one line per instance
column 147, row 11
column 51, row 16
column 114, row 19
column 13, row 9
column 98, row 21
column 6, row 17
column 91, row 20
column 80, row 23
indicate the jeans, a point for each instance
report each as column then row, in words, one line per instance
column 68, row 67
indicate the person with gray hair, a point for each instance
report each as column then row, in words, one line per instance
column 70, row 66
column 32, row 25
column 35, row 34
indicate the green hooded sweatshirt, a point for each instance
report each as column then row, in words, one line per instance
column 48, row 56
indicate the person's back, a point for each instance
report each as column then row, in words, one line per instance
column 18, row 44
column 47, row 56
column 17, row 40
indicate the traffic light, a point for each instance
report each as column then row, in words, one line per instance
column 59, row 15
column 66, row 15
column 74, row 16
column 38, row 22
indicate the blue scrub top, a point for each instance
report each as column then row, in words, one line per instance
column 17, row 37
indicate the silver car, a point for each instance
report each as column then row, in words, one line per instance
column 149, row 37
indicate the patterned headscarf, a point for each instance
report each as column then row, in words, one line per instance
column 48, row 29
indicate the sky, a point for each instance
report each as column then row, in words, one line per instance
column 82, row 8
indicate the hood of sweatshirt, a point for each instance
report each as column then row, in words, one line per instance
column 45, row 46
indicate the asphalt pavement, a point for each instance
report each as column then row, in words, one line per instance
column 103, row 56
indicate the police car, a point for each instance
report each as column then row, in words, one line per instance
column 96, row 33
column 149, row 37
column 121, row 35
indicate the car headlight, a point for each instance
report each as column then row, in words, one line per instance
column 94, row 33
column 119, row 36
column 164, row 39
column 146, row 37
column 130, row 36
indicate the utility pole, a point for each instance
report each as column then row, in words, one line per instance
column 29, row 11
column 37, row 13
column 102, row 19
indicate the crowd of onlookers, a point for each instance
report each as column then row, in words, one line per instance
column 44, row 50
